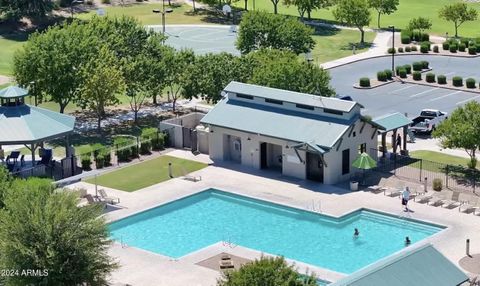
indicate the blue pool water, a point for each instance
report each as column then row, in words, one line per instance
column 197, row 221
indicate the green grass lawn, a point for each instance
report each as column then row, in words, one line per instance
column 146, row 174
column 7, row 49
column 143, row 12
column 335, row 44
column 407, row 10
column 436, row 161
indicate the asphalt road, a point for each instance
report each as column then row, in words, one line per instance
column 406, row 98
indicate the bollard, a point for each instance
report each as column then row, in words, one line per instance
column 170, row 170
column 425, row 185
column 468, row 247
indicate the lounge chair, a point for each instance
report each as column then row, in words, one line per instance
column 450, row 204
column 107, row 199
column 376, row 189
column 226, row 264
column 92, row 201
column 422, row 199
column 467, row 208
column 392, row 192
column 436, row 202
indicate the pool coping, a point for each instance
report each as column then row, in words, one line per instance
column 302, row 267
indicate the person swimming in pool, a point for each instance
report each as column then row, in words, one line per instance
column 356, row 233
column 407, row 241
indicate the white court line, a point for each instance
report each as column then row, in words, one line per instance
column 443, row 96
column 420, row 93
column 467, row 100
column 449, row 73
column 403, row 88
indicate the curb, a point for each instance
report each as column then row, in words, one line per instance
column 463, row 88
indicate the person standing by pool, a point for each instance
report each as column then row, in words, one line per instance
column 405, row 198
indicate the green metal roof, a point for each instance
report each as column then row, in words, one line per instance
column 29, row 124
column 392, row 121
column 290, row 96
column 422, row 265
column 13, row 91
column 277, row 122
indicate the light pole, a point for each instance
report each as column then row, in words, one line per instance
column 169, row 10
column 73, row 3
column 446, row 36
column 393, row 49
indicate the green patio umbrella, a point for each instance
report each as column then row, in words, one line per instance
column 364, row 162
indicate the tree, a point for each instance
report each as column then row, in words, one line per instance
column 42, row 229
column 307, row 6
column 421, row 24
column 353, row 13
column 458, row 13
column 266, row 271
column 275, row 6
column 259, row 30
column 462, row 130
column 176, row 75
column 14, row 10
column 386, row 7
column 102, row 82
column 283, row 70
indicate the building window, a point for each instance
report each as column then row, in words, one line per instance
column 274, row 101
column 362, row 148
column 332, row 111
column 345, row 161
column 244, row 96
column 303, row 106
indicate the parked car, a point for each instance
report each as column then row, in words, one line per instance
column 427, row 121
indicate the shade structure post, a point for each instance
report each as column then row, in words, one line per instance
column 32, row 148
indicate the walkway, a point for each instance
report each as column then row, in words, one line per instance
column 139, row 267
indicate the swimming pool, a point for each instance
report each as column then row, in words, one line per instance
column 189, row 224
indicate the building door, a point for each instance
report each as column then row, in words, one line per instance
column 314, row 167
column 345, row 161
column 263, row 155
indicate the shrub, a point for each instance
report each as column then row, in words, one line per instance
column 472, row 50
column 417, row 66
column 416, row 36
column 145, row 147
column 453, row 48
column 470, row 83
column 437, row 184
column 414, row 48
column 89, row 2
column 478, row 47
column 381, row 76
column 106, row 1
column 417, row 75
column 446, row 46
column 441, row 79
column 388, row 73
column 427, row 44
column 391, row 50
column 457, row 81
column 424, row 37
column 430, row 77
column 435, row 49
column 462, row 47
column 425, row 64
column 123, row 155
column 408, row 68
column 402, row 73
column 99, row 161
column 134, row 151
column 400, row 50
column 465, row 41
column 86, row 162
column 405, row 39
column 408, row 49
column 158, row 142
column 364, row 82
column 424, row 49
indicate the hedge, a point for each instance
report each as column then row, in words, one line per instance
column 381, row 76
column 425, row 64
column 414, row 48
column 465, row 41
column 435, row 49
column 470, row 83
column 417, row 75
column 400, row 50
column 391, row 50
column 86, row 162
column 364, row 82
column 446, row 46
column 408, row 68
column 388, row 73
column 472, row 50
column 408, row 49
column 430, row 77
column 405, row 39
column 441, row 79
column 462, row 47
column 453, row 48
column 402, row 73
column 424, row 49
column 417, row 66
column 457, row 81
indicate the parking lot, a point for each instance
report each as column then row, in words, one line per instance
column 406, row 98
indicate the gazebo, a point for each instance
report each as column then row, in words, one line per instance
column 391, row 123
column 22, row 124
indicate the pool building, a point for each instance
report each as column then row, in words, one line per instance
column 299, row 135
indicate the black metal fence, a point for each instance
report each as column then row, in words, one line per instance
column 453, row 177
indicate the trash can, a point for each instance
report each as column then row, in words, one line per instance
column 353, row 185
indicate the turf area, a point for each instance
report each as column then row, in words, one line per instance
column 7, row 49
column 147, row 173
column 407, row 10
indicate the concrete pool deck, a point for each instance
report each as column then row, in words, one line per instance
column 139, row 267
